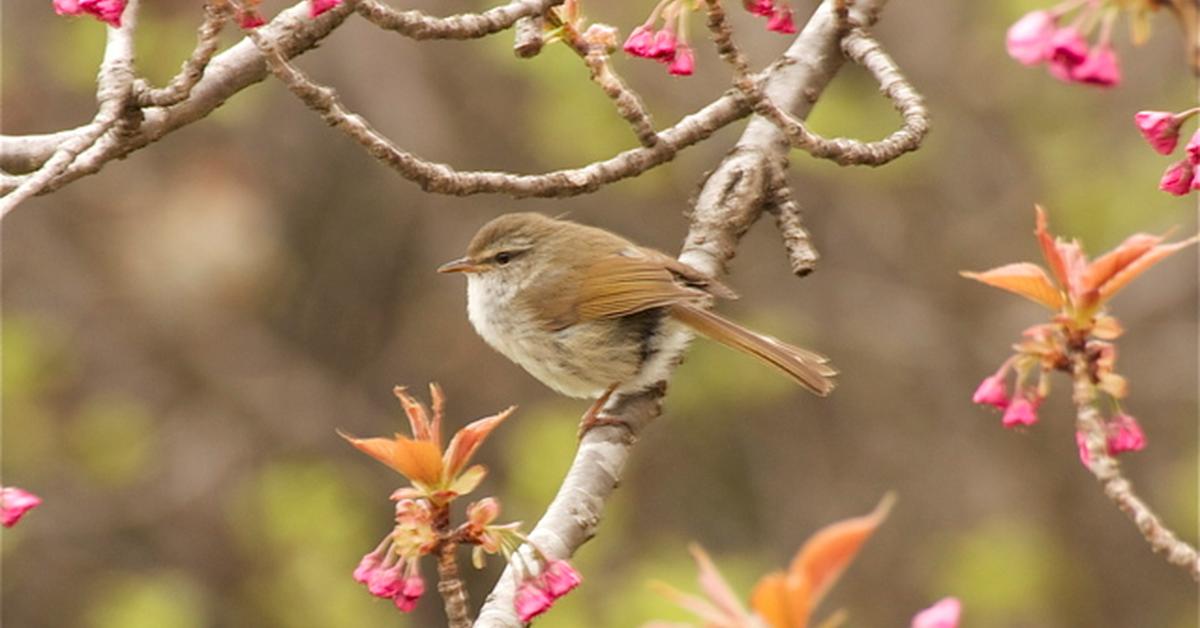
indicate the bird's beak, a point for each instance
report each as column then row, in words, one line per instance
column 460, row 265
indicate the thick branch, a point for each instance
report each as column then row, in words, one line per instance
column 1108, row 471
column 730, row 202
column 291, row 32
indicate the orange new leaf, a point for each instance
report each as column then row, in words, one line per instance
column 419, row 461
column 1023, row 278
column 1139, row 265
column 785, row 600
column 468, row 439
column 1112, row 262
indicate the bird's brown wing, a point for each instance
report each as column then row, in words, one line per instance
column 627, row 282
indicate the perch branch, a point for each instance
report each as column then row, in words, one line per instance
column 1108, row 472
column 730, row 202
column 450, row 586
column 417, row 25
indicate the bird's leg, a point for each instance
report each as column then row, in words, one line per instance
column 592, row 418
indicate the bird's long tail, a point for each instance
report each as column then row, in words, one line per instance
column 809, row 369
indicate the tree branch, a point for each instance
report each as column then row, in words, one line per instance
column 417, row 25
column 730, row 202
column 1108, row 472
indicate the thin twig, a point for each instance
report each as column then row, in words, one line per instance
column 862, row 49
column 628, row 105
column 417, row 25
column 441, row 178
column 802, row 255
column 180, row 86
column 1108, row 471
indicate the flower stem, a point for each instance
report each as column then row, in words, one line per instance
column 450, row 585
column 1118, row 489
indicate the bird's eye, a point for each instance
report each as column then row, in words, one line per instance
column 503, row 257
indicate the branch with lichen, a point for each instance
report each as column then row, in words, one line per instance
column 1094, row 439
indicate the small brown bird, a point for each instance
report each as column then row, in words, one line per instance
column 590, row 313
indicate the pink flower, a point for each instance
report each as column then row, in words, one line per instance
column 1177, row 179
column 531, row 601
column 317, row 7
column 1124, row 434
column 640, row 42
column 781, row 21
column 664, row 46
column 561, row 578
column 108, row 11
column 1160, row 128
column 410, row 593
column 250, row 19
column 1099, row 68
column 944, row 614
column 386, row 582
column 684, row 63
column 763, row 8
column 1193, row 148
column 1085, row 455
column 991, row 392
column 1028, row 39
column 1068, row 49
column 14, row 503
column 1020, row 412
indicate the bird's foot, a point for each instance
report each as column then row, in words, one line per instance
column 593, row 417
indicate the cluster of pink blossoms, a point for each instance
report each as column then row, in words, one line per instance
column 537, row 593
column 1161, row 130
column 14, row 503
column 392, row 570
column 668, row 45
column 1081, row 332
column 1038, row 38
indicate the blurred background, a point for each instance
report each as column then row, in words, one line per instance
column 183, row 332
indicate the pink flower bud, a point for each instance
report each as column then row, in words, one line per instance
column 250, row 19
column 410, row 593
column 664, row 46
column 1068, row 46
column 1028, row 39
column 991, row 392
column 684, row 62
column 781, row 21
column 1020, row 412
column 944, row 614
column 366, row 566
column 386, row 582
column 14, row 503
column 1124, row 434
column 317, row 7
column 1177, row 179
column 531, row 601
column 640, row 42
column 560, row 578
column 1160, row 128
column 763, row 8
column 1099, row 68
column 1085, row 455
column 1193, row 148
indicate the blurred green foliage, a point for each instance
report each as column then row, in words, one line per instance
column 157, row 600
column 112, row 437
